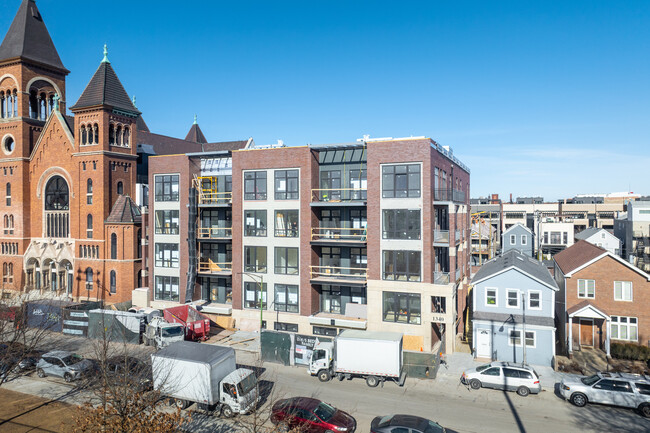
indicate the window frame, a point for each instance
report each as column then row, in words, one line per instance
column 513, row 239
column 406, row 219
column 292, row 232
column 166, row 262
column 286, row 307
column 496, row 297
column 250, row 267
column 623, row 286
column 285, row 327
column 89, row 191
column 616, row 321
column 167, row 281
column 586, row 288
column 287, row 175
column 166, row 226
column 260, row 229
column 395, row 274
column 255, row 286
column 8, row 194
column 389, row 171
column 161, row 181
column 279, row 254
column 397, row 297
column 517, row 291
column 89, row 226
column 524, row 240
column 259, row 178
column 529, row 299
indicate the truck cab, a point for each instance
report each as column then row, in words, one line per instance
column 321, row 358
column 238, row 392
column 159, row 333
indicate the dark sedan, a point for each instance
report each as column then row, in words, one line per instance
column 402, row 423
column 310, row 415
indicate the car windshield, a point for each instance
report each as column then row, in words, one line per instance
column 247, row 384
column 324, row 411
column 434, row 428
column 590, row 380
column 482, row 367
column 72, row 359
column 173, row 331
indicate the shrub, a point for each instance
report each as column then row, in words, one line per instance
column 631, row 351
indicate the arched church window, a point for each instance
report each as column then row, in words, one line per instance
column 113, row 282
column 120, row 188
column 111, row 134
column 113, row 246
column 57, row 194
column 89, row 278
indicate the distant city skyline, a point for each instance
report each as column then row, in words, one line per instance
column 537, row 98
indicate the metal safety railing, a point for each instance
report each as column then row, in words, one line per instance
column 214, row 232
column 339, row 194
column 338, row 272
column 338, row 234
column 210, row 267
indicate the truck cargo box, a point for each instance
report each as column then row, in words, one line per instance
column 369, row 353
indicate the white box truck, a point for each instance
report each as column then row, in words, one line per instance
column 375, row 356
column 207, row 375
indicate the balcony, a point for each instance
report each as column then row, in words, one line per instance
column 214, row 268
column 440, row 277
column 217, row 233
column 338, row 235
column 329, row 319
column 339, row 196
column 452, row 195
column 338, row 275
column 441, row 236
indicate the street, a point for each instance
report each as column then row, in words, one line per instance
column 442, row 400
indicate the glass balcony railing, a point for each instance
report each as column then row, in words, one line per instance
column 338, row 234
column 441, row 236
column 440, row 277
column 337, row 272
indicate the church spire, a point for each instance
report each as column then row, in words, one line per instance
column 29, row 40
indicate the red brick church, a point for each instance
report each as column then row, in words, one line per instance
column 69, row 221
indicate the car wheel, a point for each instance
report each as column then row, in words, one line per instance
column 67, row 377
column 523, row 391
column 475, row 384
column 323, row 375
column 578, row 399
column 227, row 412
column 645, row 410
column 283, row 427
column 372, row 381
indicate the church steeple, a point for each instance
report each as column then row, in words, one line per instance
column 195, row 134
column 29, row 40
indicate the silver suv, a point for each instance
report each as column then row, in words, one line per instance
column 503, row 375
column 63, row 364
column 617, row 389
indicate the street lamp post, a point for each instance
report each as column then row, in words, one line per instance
column 259, row 279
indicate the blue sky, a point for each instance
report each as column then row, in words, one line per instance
column 538, row 98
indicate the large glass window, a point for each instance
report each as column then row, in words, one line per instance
column 166, row 255
column 402, row 308
column 286, row 223
column 113, row 246
column 286, row 298
column 89, row 226
column 286, row 260
column 252, row 295
column 167, row 222
column 255, row 223
column 400, row 181
column 587, row 289
column 255, row 185
column 166, row 187
column 219, row 289
column 330, row 184
column 255, row 259
column 624, row 328
column 334, row 299
column 89, row 191
column 166, row 288
column 287, row 185
column 401, row 265
column 359, row 184
column 57, row 194
column 401, row 224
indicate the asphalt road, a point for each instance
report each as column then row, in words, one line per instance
column 443, row 400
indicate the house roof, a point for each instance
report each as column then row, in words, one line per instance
column 225, row 145
column 517, row 225
column 124, row 211
column 141, row 125
column 164, row 145
column 104, row 88
column 195, row 134
column 28, row 39
column 513, row 259
column 513, row 319
column 583, row 305
column 577, row 255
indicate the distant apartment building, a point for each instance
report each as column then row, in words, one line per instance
column 486, row 241
column 316, row 239
column 554, row 236
column 633, row 229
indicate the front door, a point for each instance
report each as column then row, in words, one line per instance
column 586, row 332
column 483, row 343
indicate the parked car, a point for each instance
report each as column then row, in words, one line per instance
column 503, row 375
column 67, row 365
column 310, row 415
column 402, row 423
column 17, row 357
column 616, row 389
column 130, row 370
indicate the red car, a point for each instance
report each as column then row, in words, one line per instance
column 311, row 415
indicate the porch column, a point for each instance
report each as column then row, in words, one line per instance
column 607, row 322
column 571, row 335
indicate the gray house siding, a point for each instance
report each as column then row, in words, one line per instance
column 512, row 240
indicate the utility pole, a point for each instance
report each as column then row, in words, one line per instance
column 523, row 337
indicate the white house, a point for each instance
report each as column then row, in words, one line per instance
column 601, row 238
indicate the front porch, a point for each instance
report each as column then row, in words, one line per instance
column 587, row 325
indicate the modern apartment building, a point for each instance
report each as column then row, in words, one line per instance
column 315, row 239
column 485, row 241
column 633, row 229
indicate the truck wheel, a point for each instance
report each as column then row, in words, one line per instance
column 227, row 412
column 323, row 375
column 475, row 384
column 372, row 381
column 180, row 403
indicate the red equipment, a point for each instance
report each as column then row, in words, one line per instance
column 197, row 326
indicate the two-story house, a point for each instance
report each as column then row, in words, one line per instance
column 602, row 297
column 513, row 319
column 602, row 238
column 518, row 237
